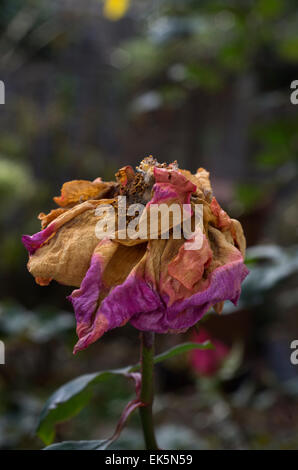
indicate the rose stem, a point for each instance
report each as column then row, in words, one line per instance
column 147, row 392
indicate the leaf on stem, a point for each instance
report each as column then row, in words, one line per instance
column 69, row 400
column 73, row 396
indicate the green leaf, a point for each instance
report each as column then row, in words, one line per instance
column 180, row 349
column 79, row 445
column 73, row 396
column 69, row 400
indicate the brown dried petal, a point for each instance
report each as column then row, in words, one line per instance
column 202, row 176
column 238, row 234
column 66, row 256
column 77, row 191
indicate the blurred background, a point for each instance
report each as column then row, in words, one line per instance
column 94, row 85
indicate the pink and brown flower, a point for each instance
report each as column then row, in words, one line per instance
column 155, row 284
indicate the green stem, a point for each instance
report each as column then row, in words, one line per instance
column 147, row 392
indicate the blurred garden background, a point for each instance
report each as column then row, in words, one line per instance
column 94, row 85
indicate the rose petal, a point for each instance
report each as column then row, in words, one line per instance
column 141, row 301
column 110, row 265
column 224, row 284
column 32, row 243
column 238, row 235
column 52, row 215
column 202, row 177
column 223, row 220
column 65, row 257
column 171, row 185
column 76, row 191
column 189, row 265
column 125, row 175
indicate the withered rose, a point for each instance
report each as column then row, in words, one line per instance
column 155, row 284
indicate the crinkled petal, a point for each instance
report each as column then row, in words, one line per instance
column 141, row 300
column 171, row 186
column 223, row 220
column 123, row 302
column 224, row 284
column 85, row 300
column 110, row 265
column 185, row 299
column 238, row 235
column 145, row 300
column 125, row 175
column 203, row 178
column 201, row 181
column 32, row 243
column 52, row 215
column 186, row 270
column 77, row 191
column 63, row 250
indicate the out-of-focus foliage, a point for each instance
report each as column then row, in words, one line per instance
column 270, row 266
column 33, row 326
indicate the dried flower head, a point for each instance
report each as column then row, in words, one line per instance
column 155, row 284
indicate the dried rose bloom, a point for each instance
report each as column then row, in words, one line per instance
column 155, row 284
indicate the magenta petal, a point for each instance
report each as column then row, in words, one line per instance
column 84, row 301
column 225, row 284
column 130, row 298
column 137, row 301
column 171, row 185
column 32, row 243
column 93, row 317
column 122, row 303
